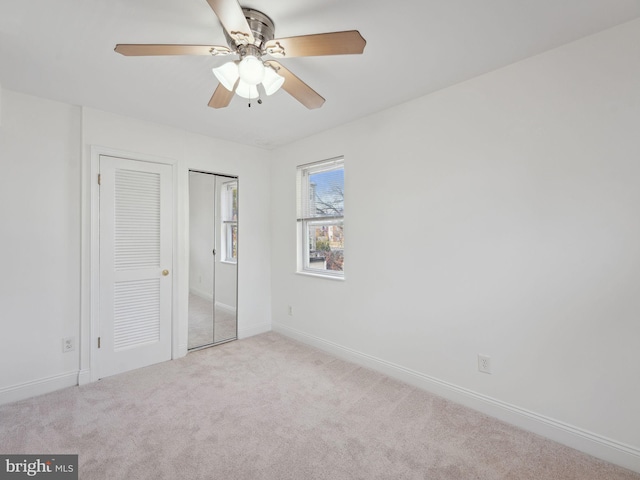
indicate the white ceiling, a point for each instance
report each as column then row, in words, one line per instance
column 63, row 50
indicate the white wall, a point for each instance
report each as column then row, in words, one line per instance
column 40, row 244
column 501, row 217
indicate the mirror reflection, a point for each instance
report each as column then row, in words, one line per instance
column 213, row 259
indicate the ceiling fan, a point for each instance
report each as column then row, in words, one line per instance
column 250, row 34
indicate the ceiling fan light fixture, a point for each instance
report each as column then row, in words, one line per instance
column 251, row 35
column 251, row 70
column 246, row 90
column 272, row 81
column 227, row 74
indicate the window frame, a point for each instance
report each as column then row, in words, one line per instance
column 304, row 223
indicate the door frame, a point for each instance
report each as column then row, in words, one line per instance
column 90, row 258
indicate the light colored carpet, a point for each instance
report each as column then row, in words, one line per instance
column 202, row 331
column 270, row 408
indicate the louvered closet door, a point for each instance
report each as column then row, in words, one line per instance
column 136, row 212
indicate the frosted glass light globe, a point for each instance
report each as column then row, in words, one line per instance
column 227, row 75
column 272, row 81
column 247, row 91
column 251, row 70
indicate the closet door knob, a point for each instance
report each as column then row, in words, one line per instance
column 165, row 272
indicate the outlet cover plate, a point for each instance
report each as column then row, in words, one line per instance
column 68, row 344
column 484, row 364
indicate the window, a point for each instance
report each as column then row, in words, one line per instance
column 321, row 218
column 229, row 206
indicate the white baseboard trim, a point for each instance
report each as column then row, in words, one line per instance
column 245, row 332
column 209, row 296
column 41, row 386
column 201, row 294
column 183, row 349
column 226, row 308
column 593, row 444
column 84, row 376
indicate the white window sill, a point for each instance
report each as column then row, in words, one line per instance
column 228, row 262
column 305, row 273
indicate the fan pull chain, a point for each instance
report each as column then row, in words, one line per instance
column 259, row 100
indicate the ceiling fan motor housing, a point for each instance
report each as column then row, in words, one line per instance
column 262, row 28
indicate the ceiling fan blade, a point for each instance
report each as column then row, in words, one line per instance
column 232, row 19
column 297, row 88
column 144, row 50
column 336, row 43
column 222, row 97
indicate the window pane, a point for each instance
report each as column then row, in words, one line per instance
column 326, row 193
column 234, row 241
column 230, row 202
column 326, row 247
column 234, row 202
column 321, row 189
column 231, row 241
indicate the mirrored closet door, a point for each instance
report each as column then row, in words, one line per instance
column 213, row 259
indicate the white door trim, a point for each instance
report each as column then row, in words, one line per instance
column 90, row 258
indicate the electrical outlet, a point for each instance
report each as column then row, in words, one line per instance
column 484, row 364
column 290, row 311
column 68, row 344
